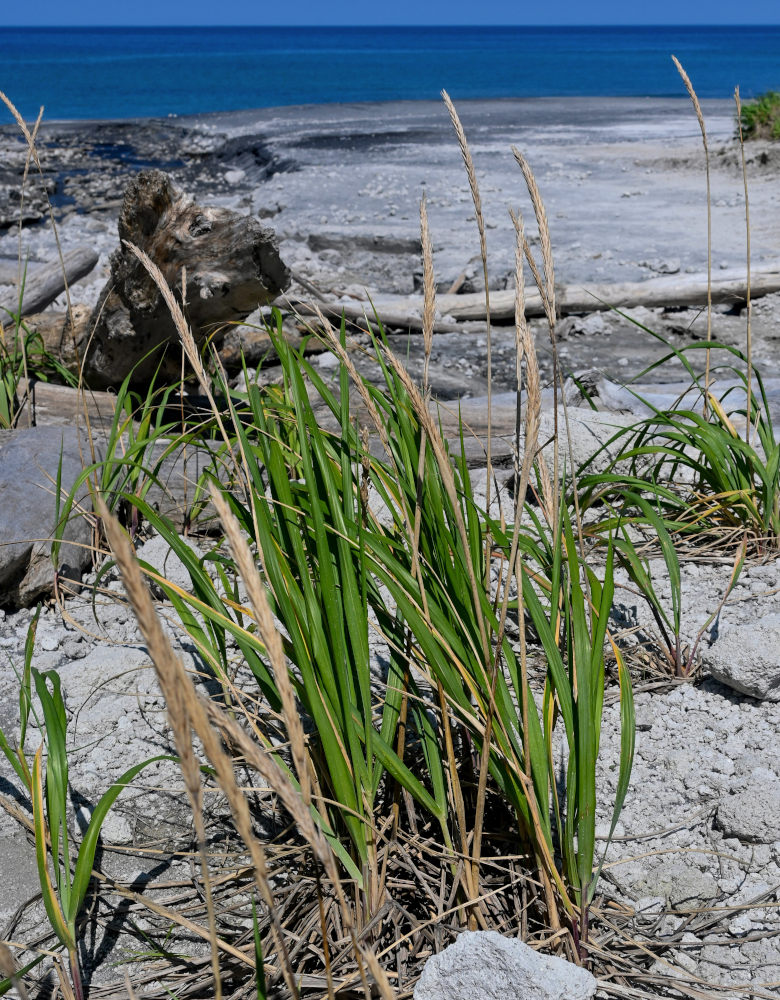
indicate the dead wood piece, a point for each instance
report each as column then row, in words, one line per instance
column 373, row 244
column 229, row 263
column 360, row 315
column 45, row 282
column 253, row 346
column 406, row 312
column 457, row 284
column 669, row 292
column 63, row 406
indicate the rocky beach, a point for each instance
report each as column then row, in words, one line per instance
column 693, row 873
column 622, row 180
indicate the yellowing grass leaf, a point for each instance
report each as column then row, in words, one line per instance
column 50, row 901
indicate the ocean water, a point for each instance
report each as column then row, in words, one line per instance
column 138, row 72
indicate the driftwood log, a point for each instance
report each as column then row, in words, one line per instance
column 44, row 282
column 689, row 290
column 231, row 263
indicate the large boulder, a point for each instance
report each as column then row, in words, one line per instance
column 29, row 462
column 745, row 657
column 483, row 965
column 232, row 266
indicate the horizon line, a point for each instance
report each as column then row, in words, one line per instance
column 227, row 27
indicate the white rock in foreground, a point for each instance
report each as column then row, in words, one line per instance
column 483, row 965
column 746, row 658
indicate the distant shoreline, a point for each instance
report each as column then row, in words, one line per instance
column 587, row 112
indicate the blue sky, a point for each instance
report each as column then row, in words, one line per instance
column 358, row 12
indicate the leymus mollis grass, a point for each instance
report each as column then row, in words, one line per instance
column 442, row 552
column 525, row 352
column 448, row 725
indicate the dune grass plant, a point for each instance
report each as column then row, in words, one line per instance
column 356, row 614
column 332, row 575
column 760, row 118
column 729, row 482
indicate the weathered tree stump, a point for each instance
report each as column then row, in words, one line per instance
column 232, row 266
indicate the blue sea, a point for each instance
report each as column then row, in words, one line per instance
column 137, row 72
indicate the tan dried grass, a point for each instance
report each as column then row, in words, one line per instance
column 188, row 711
column 208, row 720
column 9, row 970
column 429, row 291
column 477, row 200
column 749, row 302
column 272, row 641
column 545, row 283
column 700, row 118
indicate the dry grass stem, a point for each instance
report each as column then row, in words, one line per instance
column 376, row 418
column 343, row 356
column 429, row 309
column 700, row 118
column 525, row 352
column 526, row 349
column 291, row 800
column 270, row 636
column 477, row 200
column 183, row 329
column 174, row 682
column 429, row 291
column 443, row 461
column 749, row 303
column 448, row 479
column 9, row 970
column 547, row 288
column 192, row 353
column 547, row 291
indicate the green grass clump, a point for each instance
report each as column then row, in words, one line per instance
column 419, row 682
column 760, row 119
